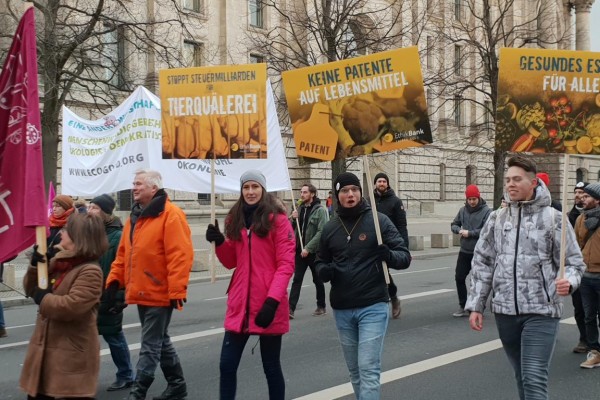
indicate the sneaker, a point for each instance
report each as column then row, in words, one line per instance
column 580, row 348
column 3, row 332
column 291, row 314
column 593, row 360
column 461, row 313
column 319, row 311
column 396, row 309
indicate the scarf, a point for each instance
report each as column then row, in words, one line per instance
column 249, row 213
column 352, row 212
column 59, row 222
column 592, row 218
column 64, row 262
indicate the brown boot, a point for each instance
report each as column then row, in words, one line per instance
column 396, row 308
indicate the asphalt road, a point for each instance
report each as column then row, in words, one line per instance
column 428, row 354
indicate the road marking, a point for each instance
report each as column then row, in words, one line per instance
column 408, row 370
column 16, row 344
column 421, row 270
column 179, row 338
column 569, row 321
column 216, row 298
column 423, row 294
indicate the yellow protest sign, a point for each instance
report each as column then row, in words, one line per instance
column 548, row 101
column 217, row 111
column 359, row 106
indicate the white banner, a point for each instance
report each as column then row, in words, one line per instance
column 102, row 156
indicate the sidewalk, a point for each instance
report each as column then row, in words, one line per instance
column 417, row 226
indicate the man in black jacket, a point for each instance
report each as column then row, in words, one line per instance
column 389, row 204
column 350, row 257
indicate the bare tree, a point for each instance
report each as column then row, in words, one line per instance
column 309, row 32
column 471, row 37
column 92, row 53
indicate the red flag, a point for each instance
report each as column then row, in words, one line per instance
column 22, row 194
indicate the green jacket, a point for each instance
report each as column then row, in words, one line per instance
column 111, row 323
column 317, row 219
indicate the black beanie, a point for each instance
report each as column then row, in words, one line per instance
column 345, row 179
column 381, row 175
column 105, row 202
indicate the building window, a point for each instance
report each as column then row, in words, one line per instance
column 470, row 173
column 458, row 10
column 204, row 198
column 581, row 175
column 113, row 57
column 124, row 200
column 458, row 112
column 487, row 115
column 256, row 59
column 192, row 5
column 457, row 59
column 256, row 13
column 192, row 54
column 430, row 50
column 442, row 182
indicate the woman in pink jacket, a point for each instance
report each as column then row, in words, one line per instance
column 259, row 243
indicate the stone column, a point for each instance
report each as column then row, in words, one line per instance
column 582, row 21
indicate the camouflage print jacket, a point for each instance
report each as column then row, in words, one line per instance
column 517, row 258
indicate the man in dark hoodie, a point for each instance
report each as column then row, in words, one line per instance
column 468, row 223
column 388, row 203
column 351, row 259
column 310, row 217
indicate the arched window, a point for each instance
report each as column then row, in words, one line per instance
column 442, row 182
column 581, row 175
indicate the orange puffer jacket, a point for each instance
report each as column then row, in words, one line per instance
column 154, row 261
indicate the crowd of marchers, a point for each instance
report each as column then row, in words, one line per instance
column 97, row 266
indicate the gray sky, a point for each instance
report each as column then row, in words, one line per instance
column 595, row 26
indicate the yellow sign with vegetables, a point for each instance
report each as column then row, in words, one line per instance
column 548, row 101
column 214, row 112
column 359, row 106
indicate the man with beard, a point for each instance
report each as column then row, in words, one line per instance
column 468, row 223
column 576, row 295
column 588, row 237
column 310, row 217
column 388, row 203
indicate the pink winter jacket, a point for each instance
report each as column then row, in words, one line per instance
column 263, row 268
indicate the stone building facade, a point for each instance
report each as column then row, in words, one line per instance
column 214, row 32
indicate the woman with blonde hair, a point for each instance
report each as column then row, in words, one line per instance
column 63, row 357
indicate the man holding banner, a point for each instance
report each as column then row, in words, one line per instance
column 516, row 259
column 351, row 259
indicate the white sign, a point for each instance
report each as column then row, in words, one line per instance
column 102, row 156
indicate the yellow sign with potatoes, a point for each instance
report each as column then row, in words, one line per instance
column 214, row 112
column 359, row 106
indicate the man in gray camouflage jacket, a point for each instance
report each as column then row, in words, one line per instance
column 516, row 259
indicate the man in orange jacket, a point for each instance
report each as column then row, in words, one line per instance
column 153, row 263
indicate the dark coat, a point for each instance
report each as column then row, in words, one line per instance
column 111, row 323
column 391, row 205
column 472, row 219
column 63, row 356
column 357, row 278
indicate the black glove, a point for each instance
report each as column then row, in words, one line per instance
column 37, row 257
column 383, row 253
column 213, row 234
column 267, row 313
column 178, row 303
column 38, row 294
column 326, row 273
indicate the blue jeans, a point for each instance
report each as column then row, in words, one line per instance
column 361, row 332
column 156, row 347
column 231, row 353
column 119, row 351
column 528, row 341
column 590, row 297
